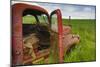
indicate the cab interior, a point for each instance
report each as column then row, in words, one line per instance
column 35, row 30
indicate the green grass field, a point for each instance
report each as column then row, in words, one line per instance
column 86, row 49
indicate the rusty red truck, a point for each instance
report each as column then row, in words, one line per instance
column 34, row 42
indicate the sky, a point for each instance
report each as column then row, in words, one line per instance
column 75, row 11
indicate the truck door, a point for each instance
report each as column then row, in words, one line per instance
column 56, row 36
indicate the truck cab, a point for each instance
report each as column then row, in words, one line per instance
column 40, row 39
column 42, row 28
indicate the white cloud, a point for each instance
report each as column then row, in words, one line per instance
column 87, row 9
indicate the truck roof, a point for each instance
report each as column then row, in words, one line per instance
column 29, row 8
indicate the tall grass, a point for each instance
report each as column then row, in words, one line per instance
column 86, row 49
